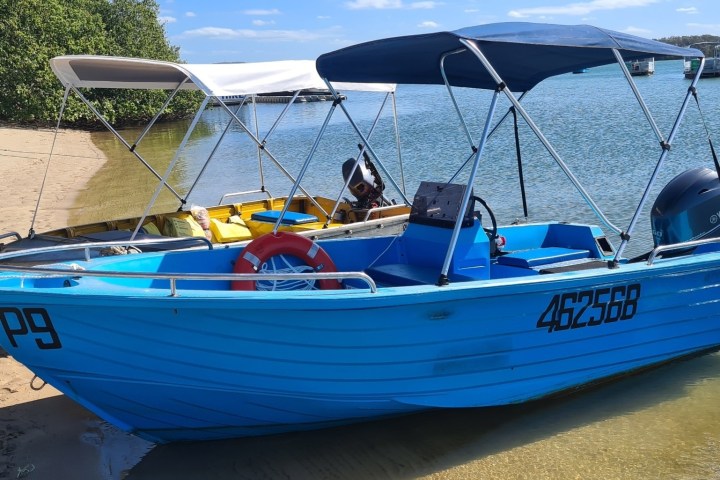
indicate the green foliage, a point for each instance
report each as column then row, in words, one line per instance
column 704, row 43
column 34, row 31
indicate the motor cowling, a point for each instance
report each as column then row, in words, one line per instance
column 688, row 208
column 365, row 182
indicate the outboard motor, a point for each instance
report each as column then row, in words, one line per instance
column 688, row 208
column 365, row 183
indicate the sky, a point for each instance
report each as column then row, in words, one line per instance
column 212, row 31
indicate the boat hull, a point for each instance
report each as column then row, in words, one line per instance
column 207, row 365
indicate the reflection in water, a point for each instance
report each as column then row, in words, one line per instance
column 661, row 424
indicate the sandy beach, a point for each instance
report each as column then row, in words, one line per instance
column 24, row 154
column 41, row 429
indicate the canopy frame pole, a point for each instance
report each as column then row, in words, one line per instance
column 272, row 157
column 365, row 142
column 281, row 116
column 258, row 147
column 397, row 140
column 492, row 132
column 31, row 231
column 157, row 115
column 443, row 279
column 507, row 114
column 639, row 98
column 452, row 95
column 357, row 162
column 625, row 236
column 212, row 153
column 130, row 148
column 170, row 167
column 304, row 168
column 551, row 150
column 263, row 142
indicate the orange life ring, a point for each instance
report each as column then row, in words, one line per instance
column 269, row 245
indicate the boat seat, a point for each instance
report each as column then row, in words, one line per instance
column 536, row 257
column 587, row 264
column 290, row 218
column 402, row 274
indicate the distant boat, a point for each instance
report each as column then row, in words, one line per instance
column 712, row 64
column 309, row 95
column 581, row 70
column 641, row 67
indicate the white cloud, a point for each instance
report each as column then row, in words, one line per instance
column 221, row 33
column 262, row 23
column 273, row 11
column 688, row 10
column 578, row 9
column 637, row 31
column 166, row 19
column 428, row 24
column 423, row 5
column 391, row 4
column 377, row 4
column 190, row 14
column 323, row 17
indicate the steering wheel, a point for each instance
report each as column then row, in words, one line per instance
column 493, row 232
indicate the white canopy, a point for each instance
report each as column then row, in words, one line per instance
column 216, row 79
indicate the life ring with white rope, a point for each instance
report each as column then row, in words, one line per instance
column 261, row 249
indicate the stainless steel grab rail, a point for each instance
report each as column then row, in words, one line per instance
column 171, row 277
column 380, row 209
column 174, row 277
column 677, row 246
column 87, row 246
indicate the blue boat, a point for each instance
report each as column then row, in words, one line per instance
column 288, row 333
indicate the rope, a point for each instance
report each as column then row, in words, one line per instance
column 395, row 238
column 283, row 285
column 519, row 162
column 707, row 131
column 32, row 383
column 25, row 471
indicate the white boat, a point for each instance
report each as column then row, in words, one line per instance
column 642, row 67
column 238, row 216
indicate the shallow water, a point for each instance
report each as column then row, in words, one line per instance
column 662, row 424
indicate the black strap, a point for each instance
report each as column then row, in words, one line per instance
column 519, row 160
column 712, row 148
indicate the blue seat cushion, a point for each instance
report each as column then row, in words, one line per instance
column 541, row 256
column 290, row 218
